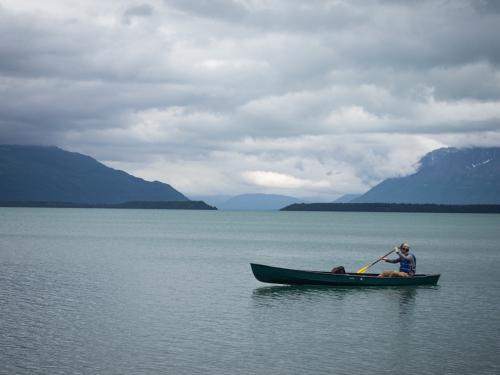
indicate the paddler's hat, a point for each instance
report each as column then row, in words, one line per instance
column 404, row 246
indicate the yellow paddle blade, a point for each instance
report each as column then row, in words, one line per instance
column 363, row 270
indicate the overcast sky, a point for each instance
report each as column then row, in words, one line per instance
column 295, row 97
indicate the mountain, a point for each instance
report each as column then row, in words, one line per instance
column 255, row 202
column 346, row 198
column 50, row 174
column 213, row 200
column 445, row 176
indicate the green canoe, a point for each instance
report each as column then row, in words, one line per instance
column 275, row 275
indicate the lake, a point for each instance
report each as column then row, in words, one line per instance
column 109, row 291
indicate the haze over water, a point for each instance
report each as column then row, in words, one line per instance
column 156, row 291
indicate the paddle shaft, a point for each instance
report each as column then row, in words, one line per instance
column 378, row 260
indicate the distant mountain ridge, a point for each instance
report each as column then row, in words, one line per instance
column 257, row 202
column 445, row 176
column 346, row 198
column 47, row 173
column 213, row 200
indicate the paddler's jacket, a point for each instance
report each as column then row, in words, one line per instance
column 407, row 263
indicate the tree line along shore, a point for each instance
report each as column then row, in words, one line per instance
column 395, row 207
column 174, row 205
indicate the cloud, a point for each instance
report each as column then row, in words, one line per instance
column 142, row 10
column 457, row 112
column 231, row 96
column 137, row 12
column 280, row 180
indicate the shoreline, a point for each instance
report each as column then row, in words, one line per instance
column 395, row 207
column 163, row 205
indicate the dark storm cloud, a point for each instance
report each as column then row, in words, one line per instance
column 487, row 6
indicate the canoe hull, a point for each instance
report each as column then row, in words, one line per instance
column 276, row 275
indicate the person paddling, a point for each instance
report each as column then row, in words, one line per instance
column 407, row 261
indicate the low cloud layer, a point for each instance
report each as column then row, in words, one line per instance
column 304, row 98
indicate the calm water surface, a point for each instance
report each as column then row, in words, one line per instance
column 100, row 291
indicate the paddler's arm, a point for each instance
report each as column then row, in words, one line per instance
column 396, row 250
column 392, row 260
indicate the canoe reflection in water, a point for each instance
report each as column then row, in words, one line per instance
column 404, row 296
column 398, row 302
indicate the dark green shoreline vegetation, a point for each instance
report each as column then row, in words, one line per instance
column 163, row 205
column 395, row 207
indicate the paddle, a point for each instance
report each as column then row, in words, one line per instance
column 365, row 268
